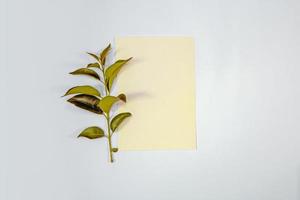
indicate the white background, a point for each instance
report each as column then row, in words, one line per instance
column 248, row 78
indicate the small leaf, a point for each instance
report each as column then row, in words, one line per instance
column 93, row 55
column 107, row 102
column 86, row 102
column 113, row 70
column 85, row 71
column 122, row 97
column 117, row 120
column 92, row 133
column 85, row 89
column 115, row 150
column 103, row 54
column 96, row 65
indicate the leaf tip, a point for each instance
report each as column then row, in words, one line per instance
column 71, row 100
column 122, row 97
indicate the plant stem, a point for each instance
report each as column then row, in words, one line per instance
column 107, row 116
column 104, row 82
column 109, row 139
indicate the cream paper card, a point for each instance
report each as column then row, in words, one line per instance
column 160, row 85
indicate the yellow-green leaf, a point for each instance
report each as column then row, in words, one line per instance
column 103, row 54
column 115, row 150
column 117, row 120
column 92, row 133
column 94, row 56
column 96, row 65
column 84, row 89
column 86, row 102
column 122, row 97
column 112, row 71
column 107, row 102
column 85, row 71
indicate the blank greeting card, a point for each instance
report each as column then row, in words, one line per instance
column 160, row 88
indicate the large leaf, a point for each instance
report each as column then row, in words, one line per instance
column 84, row 89
column 107, row 102
column 94, row 56
column 85, row 71
column 117, row 120
column 96, row 65
column 86, row 102
column 103, row 54
column 112, row 71
column 92, row 133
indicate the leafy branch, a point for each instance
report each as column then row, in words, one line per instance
column 89, row 98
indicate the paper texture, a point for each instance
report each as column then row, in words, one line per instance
column 160, row 86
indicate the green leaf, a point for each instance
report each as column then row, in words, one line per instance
column 96, row 65
column 84, row 89
column 117, row 120
column 107, row 102
column 122, row 97
column 92, row 133
column 86, row 102
column 103, row 54
column 115, row 150
column 94, row 56
column 85, row 71
column 112, row 71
